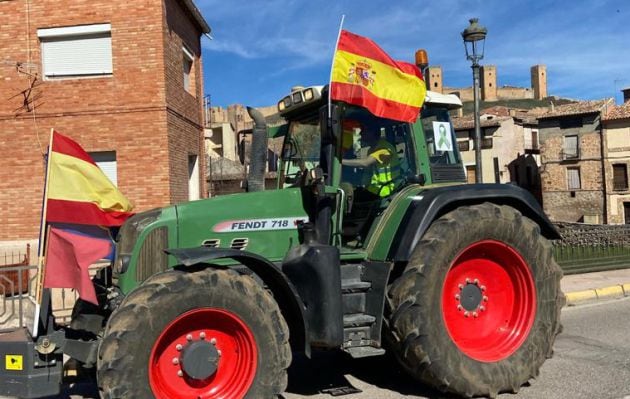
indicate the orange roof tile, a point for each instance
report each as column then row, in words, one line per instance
column 618, row 112
column 578, row 108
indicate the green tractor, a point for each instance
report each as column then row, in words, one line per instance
column 210, row 298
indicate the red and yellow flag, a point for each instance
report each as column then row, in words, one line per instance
column 78, row 190
column 363, row 74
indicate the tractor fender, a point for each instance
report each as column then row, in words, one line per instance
column 284, row 292
column 429, row 205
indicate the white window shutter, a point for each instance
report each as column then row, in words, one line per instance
column 85, row 52
column 106, row 160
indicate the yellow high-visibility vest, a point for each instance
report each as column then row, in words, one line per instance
column 386, row 175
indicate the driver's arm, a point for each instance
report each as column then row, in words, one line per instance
column 360, row 162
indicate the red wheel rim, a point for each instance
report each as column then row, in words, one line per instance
column 489, row 301
column 228, row 335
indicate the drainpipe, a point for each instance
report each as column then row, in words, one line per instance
column 258, row 154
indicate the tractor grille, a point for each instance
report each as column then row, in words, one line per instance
column 447, row 173
column 211, row 243
column 239, row 243
column 152, row 258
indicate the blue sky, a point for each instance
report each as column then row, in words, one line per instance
column 260, row 49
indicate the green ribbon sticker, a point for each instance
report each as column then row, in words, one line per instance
column 444, row 141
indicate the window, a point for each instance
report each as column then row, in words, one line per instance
column 76, row 51
column 272, row 161
column 106, row 160
column 193, row 178
column 570, row 149
column 486, row 143
column 189, row 79
column 440, row 136
column 463, row 145
column 620, row 177
column 573, row 179
column 531, row 140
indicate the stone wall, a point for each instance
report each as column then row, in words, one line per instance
column 574, row 206
column 502, row 93
column 578, row 234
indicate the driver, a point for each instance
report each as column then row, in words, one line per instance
column 381, row 158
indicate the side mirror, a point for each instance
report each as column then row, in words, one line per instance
column 289, row 151
column 418, row 179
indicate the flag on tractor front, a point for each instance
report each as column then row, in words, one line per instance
column 78, row 190
column 72, row 249
column 80, row 204
column 364, row 75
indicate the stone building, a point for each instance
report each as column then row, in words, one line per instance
column 489, row 89
column 572, row 165
column 539, row 81
column 122, row 78
column 228, row 144
column 509, row 147
column 488, row 82
column 616, row 125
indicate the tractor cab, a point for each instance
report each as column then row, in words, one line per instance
column 366, row 160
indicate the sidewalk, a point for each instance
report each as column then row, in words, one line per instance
column 580, row 288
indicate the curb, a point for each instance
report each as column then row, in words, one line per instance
column 612, row 292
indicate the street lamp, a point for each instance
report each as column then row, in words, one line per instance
column 474, row 42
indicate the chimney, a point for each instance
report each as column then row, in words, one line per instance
column 626, row 94
column 552, row 107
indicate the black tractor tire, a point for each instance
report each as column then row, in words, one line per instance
column 419, row 308
column 158, row 308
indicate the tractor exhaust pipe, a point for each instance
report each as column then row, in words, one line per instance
column 258, row 155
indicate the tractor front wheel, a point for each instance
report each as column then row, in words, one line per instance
column 476, row 311
column 204, row 334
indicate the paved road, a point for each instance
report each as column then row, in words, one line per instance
column 592, row 360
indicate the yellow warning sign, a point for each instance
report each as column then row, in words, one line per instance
column 13, row 362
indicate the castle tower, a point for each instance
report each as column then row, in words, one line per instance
column 488, row 76
column 433, row 78
column 539, row 81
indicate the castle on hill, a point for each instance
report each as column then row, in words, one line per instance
column 488, row 85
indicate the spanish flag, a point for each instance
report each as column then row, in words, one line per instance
column 78, row 191
column 364, row 75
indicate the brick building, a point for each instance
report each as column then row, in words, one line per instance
column 122, row 78
column 572, row 162
column 616, row 125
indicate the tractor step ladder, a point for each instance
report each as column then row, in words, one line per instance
column 361, row 314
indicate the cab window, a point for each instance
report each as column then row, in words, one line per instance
column 439, row 136
column 301, row 151
column 361, row 135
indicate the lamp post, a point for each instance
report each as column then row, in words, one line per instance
column 474, row 42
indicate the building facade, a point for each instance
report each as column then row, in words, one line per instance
column 573, row 170
column 124, row 79
column 506, row 137
column 616, row 124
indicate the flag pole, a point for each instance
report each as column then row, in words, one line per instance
column 343, row 17
column 39, row 282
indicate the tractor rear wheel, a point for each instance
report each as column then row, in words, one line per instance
column 210, row 333
column 476, row 311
